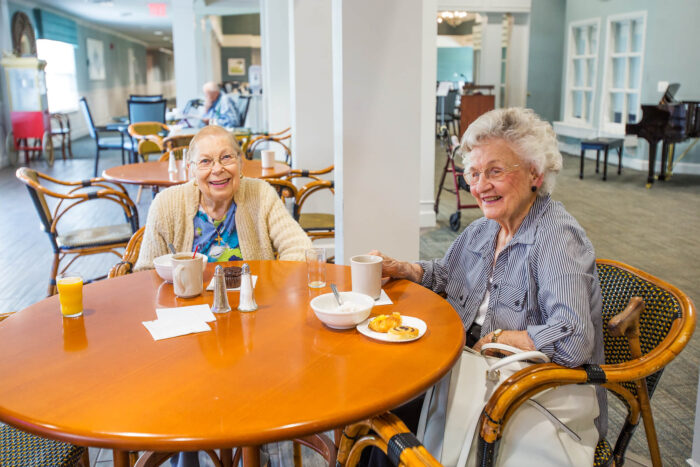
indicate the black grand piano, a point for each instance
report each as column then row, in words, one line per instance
column 669, row 122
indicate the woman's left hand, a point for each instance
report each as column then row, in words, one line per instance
column 519, row 339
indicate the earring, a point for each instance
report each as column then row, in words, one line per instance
column 533, row 188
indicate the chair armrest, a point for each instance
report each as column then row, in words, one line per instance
column 388, row 433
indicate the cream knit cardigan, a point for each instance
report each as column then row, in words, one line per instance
column 263, row 223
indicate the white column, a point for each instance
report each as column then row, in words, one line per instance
column 516, row 69
column 274, row 32
column 377, row 79
column 311, row 82
column 427, row 100
column 490, row 58
column 188, row 48
column 5, row 44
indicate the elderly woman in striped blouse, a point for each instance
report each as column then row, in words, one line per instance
column 524, row 274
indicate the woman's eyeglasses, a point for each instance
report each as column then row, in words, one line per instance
column 492, row 174
column 207, row 163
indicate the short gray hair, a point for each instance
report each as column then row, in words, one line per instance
column 532, row 139
column 211, row 130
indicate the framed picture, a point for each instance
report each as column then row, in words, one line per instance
column 96, row 59
column 236, row 66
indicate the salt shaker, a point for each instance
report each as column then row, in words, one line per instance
column 220, row 304
column 247, row 301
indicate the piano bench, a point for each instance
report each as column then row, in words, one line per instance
column 602, row 144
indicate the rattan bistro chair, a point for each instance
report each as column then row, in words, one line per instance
column 281, row 138
column 84, row 241
column 647, row 323
column 316, row 225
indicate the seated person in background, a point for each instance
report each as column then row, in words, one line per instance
column 228, row 216
column 525, row 273
column 219, row 109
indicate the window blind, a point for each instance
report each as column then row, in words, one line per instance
column 54, row 27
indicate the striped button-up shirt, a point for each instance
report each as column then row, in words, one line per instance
column 544, row 281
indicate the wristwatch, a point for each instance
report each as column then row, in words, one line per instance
column 496, row 334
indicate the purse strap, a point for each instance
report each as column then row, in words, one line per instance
column 518, row 355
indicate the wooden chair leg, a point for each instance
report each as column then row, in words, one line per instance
column 297, row 454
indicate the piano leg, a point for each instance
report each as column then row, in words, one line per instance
column 664, row 158
column 652, row 162
column 583, row 155
column 605, row 164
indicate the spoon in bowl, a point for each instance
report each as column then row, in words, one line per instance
column 337, row 295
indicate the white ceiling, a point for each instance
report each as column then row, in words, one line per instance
column 132, row 17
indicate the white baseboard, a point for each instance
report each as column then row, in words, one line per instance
column 427, row 214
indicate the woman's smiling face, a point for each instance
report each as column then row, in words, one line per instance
column 505, row 198
column 219, row 182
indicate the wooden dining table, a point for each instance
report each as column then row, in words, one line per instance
column 274, row 374
column 155, row 173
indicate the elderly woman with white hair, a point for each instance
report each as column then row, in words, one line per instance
column 223, row 214
column 219, row 108
column 524, row 274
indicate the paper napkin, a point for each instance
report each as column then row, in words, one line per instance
column 383, row 299
column 173, row 322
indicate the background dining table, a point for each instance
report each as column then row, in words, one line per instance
column 155, row 173
column 274, row 374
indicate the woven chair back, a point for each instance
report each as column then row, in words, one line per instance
column 661, row 310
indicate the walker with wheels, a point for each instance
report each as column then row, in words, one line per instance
column 29, row 112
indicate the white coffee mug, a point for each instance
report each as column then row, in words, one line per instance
column 268, row 158
column 187, row 275
column 366, row 272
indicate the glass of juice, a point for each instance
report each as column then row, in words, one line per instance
column 70, row 294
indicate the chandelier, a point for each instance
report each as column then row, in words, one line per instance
column 453, row 18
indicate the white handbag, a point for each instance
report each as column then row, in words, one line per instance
column 553, row 428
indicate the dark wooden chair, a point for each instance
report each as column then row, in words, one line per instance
column 84, row 241
column 647, row 323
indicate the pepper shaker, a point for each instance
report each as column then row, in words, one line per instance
column 247, row 301
column 220, row 304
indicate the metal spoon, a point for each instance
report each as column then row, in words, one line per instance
column 337, row 295
column 172, row 248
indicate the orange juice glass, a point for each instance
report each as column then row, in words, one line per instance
column 70, row 294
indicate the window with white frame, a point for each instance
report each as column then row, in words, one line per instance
column 581, row 71
column 622, row 82
column 61, row 81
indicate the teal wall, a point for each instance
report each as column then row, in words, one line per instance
column 116, row 57
column 241, row 24
column 546, row 59
column 235, row 52
column 671, row 50
column 451, row 61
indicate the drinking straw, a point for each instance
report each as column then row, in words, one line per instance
column 195, row 251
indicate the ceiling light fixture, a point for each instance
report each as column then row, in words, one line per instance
column 453, row 18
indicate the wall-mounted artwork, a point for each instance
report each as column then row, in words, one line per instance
column 236, row 66
column 96, row 59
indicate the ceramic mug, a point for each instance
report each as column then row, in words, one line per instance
column 267, row 157
column 366, row 272
column 187, row 275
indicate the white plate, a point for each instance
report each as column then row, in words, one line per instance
column 417, row 323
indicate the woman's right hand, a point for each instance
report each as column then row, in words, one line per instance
column 399, row 269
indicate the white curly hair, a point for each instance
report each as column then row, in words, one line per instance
column 532, row 139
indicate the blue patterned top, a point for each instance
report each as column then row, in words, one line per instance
column 217, row 239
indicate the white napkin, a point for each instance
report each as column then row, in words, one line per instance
column 173, row 322
column 211, row 283
column 383, row 299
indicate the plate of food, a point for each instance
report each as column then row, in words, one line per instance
column 393, row 328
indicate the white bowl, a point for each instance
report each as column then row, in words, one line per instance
column 326, row 309
column 164, row 266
